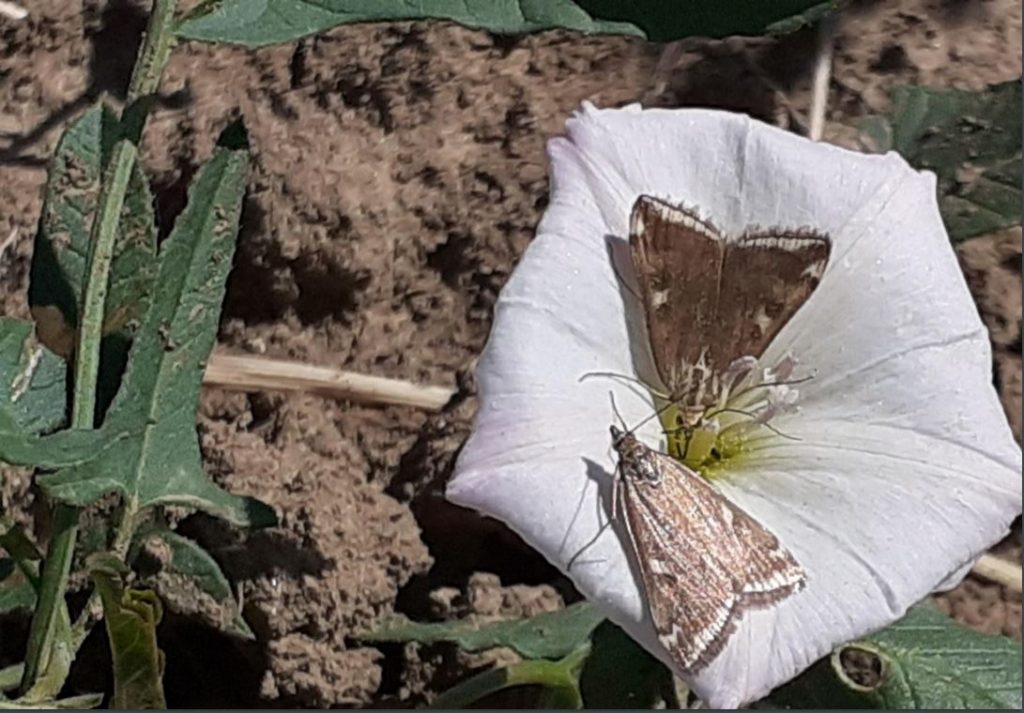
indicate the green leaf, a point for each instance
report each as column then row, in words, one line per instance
column 158, row 461
column 619, row 673
column 924, row 661
column 971, row 140
column 131, row 618
column 16, row 543
column 60, row 450
column 83, row 702
column 192, row 582
column 32, row 397
column 262, row 22
column 10, row 677
column 32, row 401
column 62, row 241
column 592, row 657
column 550, row 635
column 798, row 21
column 559, row 681
column 16, row 590
column 19, row 572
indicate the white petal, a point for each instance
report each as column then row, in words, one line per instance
column 878, row 516
column 540, row 454
column 735, row 171
column 904, row 471
column 906, row 464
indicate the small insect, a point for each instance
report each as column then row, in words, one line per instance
column 711, row 303
column 702, row 559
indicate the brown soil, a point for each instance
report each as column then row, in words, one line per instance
column 399, row 174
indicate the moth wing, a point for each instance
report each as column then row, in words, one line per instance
column 766, row 278
column 692, row 596
column 677, row 259
column 770, row 573
column 703, row 561
column 709, row 301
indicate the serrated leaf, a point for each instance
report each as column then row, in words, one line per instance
column 62, row 241
column 131, row 617
column 550, row 635
column 192, row 582
column 619, row 673
column 924, row 661
column 158, row 461
column 261, row 22
column 971, row 140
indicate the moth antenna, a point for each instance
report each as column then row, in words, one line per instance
column 618, row 415
column 623, row 377
column 657, row 414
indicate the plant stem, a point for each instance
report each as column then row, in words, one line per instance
column 159, row 40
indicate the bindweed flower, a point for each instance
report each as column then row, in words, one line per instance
column 884, row 465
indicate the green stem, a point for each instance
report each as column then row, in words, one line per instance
column 156, row 49
column 128, row 523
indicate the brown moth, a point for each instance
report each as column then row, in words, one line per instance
column 703, row 560
column 709, row 301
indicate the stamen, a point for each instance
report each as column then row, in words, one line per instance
column 728, row 427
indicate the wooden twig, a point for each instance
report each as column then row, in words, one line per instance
column 1000, row 571
column 822, row 77
column 246, row 373
column 12, row 10
column 11, row 238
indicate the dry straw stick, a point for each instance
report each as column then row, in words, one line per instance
column 246, row 373
column 12, row 10
column 822, row 76
column 1000, row 571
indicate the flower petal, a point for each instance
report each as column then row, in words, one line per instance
column 878, row 516
column 537, row 459
column 903, row 473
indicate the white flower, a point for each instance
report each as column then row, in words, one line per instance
column 905, row 469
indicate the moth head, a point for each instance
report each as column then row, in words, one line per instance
column 635, row 461
column 624, row 442
column 617, row 435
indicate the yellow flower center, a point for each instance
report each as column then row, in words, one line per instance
column 706, row 442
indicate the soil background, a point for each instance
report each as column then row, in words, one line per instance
column 399, row 173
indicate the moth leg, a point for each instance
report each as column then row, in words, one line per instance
column 612, row 517
column 616, row 489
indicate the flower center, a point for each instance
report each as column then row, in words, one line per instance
column 749, row 399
